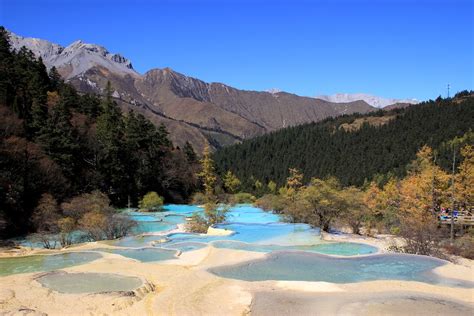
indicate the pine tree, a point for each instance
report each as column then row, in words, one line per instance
column 56, row 81
column 190, row 153
column 110, row 138
column 59, row 140
column 39, row 117
column 6, row 74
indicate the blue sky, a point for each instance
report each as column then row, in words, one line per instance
column 391, row 48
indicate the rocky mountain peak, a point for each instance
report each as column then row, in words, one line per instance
column 75, row 59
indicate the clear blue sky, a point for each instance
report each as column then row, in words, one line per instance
column 404, row 48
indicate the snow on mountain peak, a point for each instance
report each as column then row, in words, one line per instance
column 273, row 90
column 372, row 100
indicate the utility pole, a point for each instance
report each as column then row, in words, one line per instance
column 452, row 195
column 448, row 89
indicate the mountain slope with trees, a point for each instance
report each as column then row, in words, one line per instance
column 353, row 155
column 56, row 141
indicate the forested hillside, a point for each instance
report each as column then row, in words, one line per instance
column 352, row 148
column 56, row 141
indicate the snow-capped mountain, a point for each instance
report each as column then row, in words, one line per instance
column 372, row 100
column 74, row 59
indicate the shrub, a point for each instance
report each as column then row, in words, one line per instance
column 463, row 247
column 49, row 241
column 271, row 202
column 87, row 202
column 118, row 226
column 45, row 218
column 197, row 224
column 198, row 198
column 94, row 224
column 241, row 198
column 66, row 226
column 151, row 201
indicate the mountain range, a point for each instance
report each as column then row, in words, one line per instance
column 372, row 100
column 191, row 109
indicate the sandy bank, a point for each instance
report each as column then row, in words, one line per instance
column 280, row 302
column 382, row 242
column 462, row 269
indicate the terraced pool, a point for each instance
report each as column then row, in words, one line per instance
column 142, row 254
column 330, row 248
column 40, row 263
column 89, row 282
column 294, row 251
column 304, row 266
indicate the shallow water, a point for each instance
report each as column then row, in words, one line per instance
column 37, row 263
column 141, row 217
column 274, row 233
column 294, row 251
column 182, row 209
column 303, row 266
column 184, row 246
column 142, row 254
column 134, row 241
column 152, row 227
column 248, row 214
column 89, row 282
column 329, row 248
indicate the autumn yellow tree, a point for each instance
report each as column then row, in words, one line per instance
column 213, row 213
column 374, row 205
column 464, row 181
column 354, row 209
column 422, row 191
column 294, row 183
column 317, row 204
column 295, row 179
column 272, row 186
column 426, row 186
column 208, row 174
column 382, row 206
column 231, row 182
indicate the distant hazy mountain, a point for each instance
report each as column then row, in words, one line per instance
column 371, row 100
column 192, row 110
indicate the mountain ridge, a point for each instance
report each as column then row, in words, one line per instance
column 372, row 100
column 192, row 109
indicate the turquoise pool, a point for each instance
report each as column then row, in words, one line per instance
column 40, row 263
column 247, row 214
column 254, row 230
column 329, row 248
column 273, row 233
column 139, row 241
column 303, row 266
column 183, row 246
column 152, row 227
